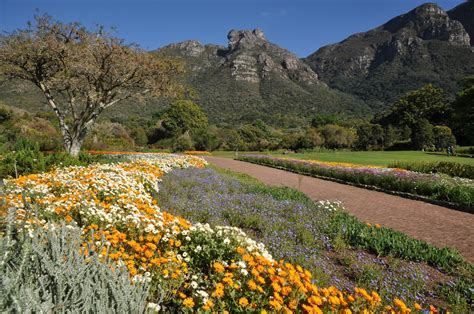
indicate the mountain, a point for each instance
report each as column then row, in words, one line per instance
column 253, row 78
column 425, row 45
column 464, row 13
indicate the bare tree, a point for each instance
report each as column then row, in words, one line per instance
column 81, row 73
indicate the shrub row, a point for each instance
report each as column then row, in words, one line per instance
column 440, row 189
column 450, row 168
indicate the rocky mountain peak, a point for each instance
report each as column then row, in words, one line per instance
column 429, row 22
column 464, row 13
column 245, row 38
column 429, row 9
column 192, row 48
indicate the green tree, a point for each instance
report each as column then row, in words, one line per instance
column 422, row 135
column 369, row 136
column 182, row 143
column 427, row 103
column 443, row 137
column 184, row 116
column 463, row 107
column 205, row 139
column 390, row 136
column 336, row 136
column 324, row 119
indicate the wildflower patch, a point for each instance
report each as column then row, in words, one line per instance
column 189, row 266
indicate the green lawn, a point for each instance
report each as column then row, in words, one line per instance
column 379, row 158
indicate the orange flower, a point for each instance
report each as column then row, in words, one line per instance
column 275, row 304
column 243, row 302
column 252, row 284
column 218, row 267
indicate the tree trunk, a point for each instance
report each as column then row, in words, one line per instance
column 73, row 144
column 75, row 148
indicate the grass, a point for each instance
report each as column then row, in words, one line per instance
column 377, row 158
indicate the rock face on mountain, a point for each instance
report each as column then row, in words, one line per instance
column 422, row 46
column 254, row 77
column 464, row 13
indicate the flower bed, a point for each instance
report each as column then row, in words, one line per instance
column 456, row 191
column 317, row 235
column 453, row 169
column 189, row 266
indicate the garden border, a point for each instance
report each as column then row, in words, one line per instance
column 415, row 197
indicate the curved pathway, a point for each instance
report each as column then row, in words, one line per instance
column 438, row 225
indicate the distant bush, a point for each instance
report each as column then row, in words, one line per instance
column 109, row 136
column 183, row 143
column 38, row 130
column 48, row 272
column 450, row 168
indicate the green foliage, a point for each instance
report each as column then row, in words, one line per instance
column 417, row 111
column 184, row 116
column 369, row 137
column 450, row 168
column 427, row 103
column 384, row 241
column 422, row 136
column 336, row 136
column 26, row 158
column 206, row 139
column 443, row 137
column 46, row 271
column 182, row 143
column 324, row 119
column 463, row 106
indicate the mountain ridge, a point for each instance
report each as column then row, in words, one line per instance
column 424, row 45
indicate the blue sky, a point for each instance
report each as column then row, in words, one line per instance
column 301, row 26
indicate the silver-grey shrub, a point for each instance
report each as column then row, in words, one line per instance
column 47, row 272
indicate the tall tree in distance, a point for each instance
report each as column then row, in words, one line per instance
column 81, row 72
column 463, row 107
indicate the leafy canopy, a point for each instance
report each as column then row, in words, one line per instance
column 184, row 116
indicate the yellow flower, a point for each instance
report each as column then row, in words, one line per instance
column 243, row 302
column 188, row 302
column 218, row 267
column 418, row 307
column 275, row 304
column 252, row 284
column 218, row 293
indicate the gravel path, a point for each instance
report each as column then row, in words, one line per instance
column 435, row 224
